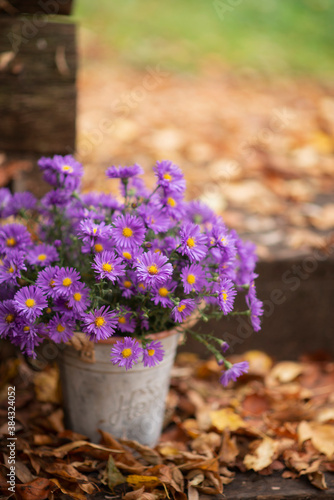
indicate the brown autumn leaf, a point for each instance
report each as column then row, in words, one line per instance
column 46, row 385
column 229, row 449
column 38, row 489
column 318, row 480
column 263, row 454
column 70, row 474
column 321, row 436
column 149, row 455
column 75, row 494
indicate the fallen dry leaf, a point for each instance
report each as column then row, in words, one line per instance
column 262, row 455
column 226, row 419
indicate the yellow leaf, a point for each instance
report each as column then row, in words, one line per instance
column 135, row 480
column 263, row 455
column 226, row 419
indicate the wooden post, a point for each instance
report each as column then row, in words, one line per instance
column 38, row 67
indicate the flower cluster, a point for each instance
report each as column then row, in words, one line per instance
column 93, row 263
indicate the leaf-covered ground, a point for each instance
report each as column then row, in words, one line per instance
column 278, row 419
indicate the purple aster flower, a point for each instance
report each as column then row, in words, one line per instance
column 61, row 328
column 224, row 244
column 8, row 317
column 100, row 323
column 56, row 198
column 18, row 202
column 46, row 280
column 135, row 187
column 126, row 352
column 61, row 171
column 126, row 323
column 234, row 372
column 173, row 205
column 193, row 278
column 199, row 213
column 154, row 218
column 12, row 266
column 184, row 309
column 161, row 293
column 153, row 268
column 5, row 197
column 14, row 237
column 192, row 242
column 66, row 280
column 124, row 172
column 256, row 307
column 78, row 298
column 42, row 255
column 127, row 286
column 28, row 337
column 170, row 176
column 153, row 353
column 248, row 258
column 130, row 255
column 30, row 302
column 100, row 245
column 129, row 231
column 88, row 228
column 225, row 347
column 226, row 295
column 108, row 265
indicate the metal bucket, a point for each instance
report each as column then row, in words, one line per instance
column 128, row 404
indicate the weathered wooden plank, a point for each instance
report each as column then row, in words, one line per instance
column 49, row 7
column 38, row 92
column 252, row 486
column 298, row 316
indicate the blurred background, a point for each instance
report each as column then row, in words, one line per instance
column 238, row 93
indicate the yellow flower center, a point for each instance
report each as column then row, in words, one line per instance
column 52, row 283
column 224, row 294
column 191, row 278
column 60, row 328
column 41, row 257
column 223, row 240
column 127, row 255
column 94, row 230
column 127, row 232
column 190, row 242
column 67, row 281
column 49, row 310
column 26, row 329
column 99, row 321
column 67, row 168
column 181, row 307
column 126, row 353
column 121, row 320
column 10, row 270
column 98, row 247
column 127, row 284
column 77, row 296
column 142, row 286
column 157, row 250
column 10, row 318
column 171, row 202
column 163, row 292
column 151, row 352
column 167, row 177
column 11, row 242
column 153, row 269
column 30, row 302
column 107, row 267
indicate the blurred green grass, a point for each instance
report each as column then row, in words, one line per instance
column 274, row 36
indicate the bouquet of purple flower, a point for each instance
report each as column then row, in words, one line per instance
column 89, row 262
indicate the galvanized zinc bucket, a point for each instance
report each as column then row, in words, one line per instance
column 128, row 404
